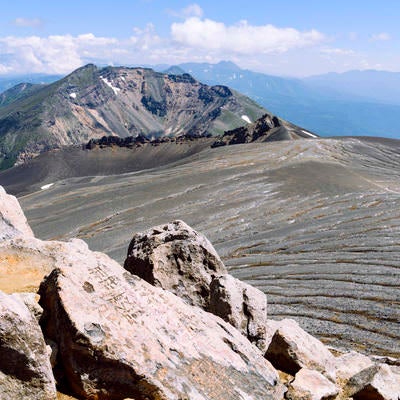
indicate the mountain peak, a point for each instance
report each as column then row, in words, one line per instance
column 229, row 65
column 92, row 102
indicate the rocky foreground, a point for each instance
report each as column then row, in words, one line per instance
column 314, row 224
column 171, row 324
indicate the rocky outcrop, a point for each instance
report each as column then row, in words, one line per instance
column 176, row 258
column 284, row 343
column 376, row 383
column 292, row 348
column 242, row 305
column 111, row 335
column 350, row 364
column 25, row 370
column 182, row 261
column 267, row 128
column 131, row 142
column 12, row 220
column 311, row 385
column 119, row 337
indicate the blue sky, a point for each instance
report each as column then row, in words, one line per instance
column 286, row 37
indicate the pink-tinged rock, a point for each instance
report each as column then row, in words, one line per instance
column 242, row 305
column 24, row 261
column 311, row 385
column 292, row 348
column 350, row 364
column 12, row 219
column 374, row 383
column 176, row 258
column 25, row 370
column 119, row 337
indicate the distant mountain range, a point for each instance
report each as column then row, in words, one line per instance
column 353, row 103
column 36, row 115
column 7, row 82
column 92, row 102
column 377, row 86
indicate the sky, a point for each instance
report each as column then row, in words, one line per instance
column 286, row 37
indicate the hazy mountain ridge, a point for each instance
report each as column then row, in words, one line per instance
column 7, row 82
column 382, row 86
column 16, row 92
column 315, row 103
column 93, row 102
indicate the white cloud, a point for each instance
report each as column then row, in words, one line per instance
column 240, row 38
column 52, row 54
column 192, row 10
column 4, row 69
column 383, row 36
column 337, row 51
column 145, row 39
column 28, row 22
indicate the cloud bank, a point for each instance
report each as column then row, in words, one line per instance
column 241, row 38
column 53, row 54
column 192, row 38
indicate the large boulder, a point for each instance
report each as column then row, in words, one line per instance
column 24, row 261
column 176, row 258
column 350, row 364
column 242, row 305
column 374, row 383
column 292, row 348
column 311, row 385
column 25, row 370
column 12, row 219
column 119, row 337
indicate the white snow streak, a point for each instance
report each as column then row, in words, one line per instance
column 246, row 118
column 48, row 186
column 109, row 84
column 309, row 134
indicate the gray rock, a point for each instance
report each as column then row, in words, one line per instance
column 242, row 305
column 176, row 258
column 12, row 219
column 311, row 385
column 120, row 337
column 25, row 370
column 31, row 301
column 350, row 364
column 292, row 348
column 374, row 383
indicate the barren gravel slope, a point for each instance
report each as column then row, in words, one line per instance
column 313, row 223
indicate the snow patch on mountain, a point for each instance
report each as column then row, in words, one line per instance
column 48, row 186
column 246, row 118
column 309, row 133
column 115, row 89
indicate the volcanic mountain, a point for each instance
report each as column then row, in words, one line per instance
column 93, row 102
